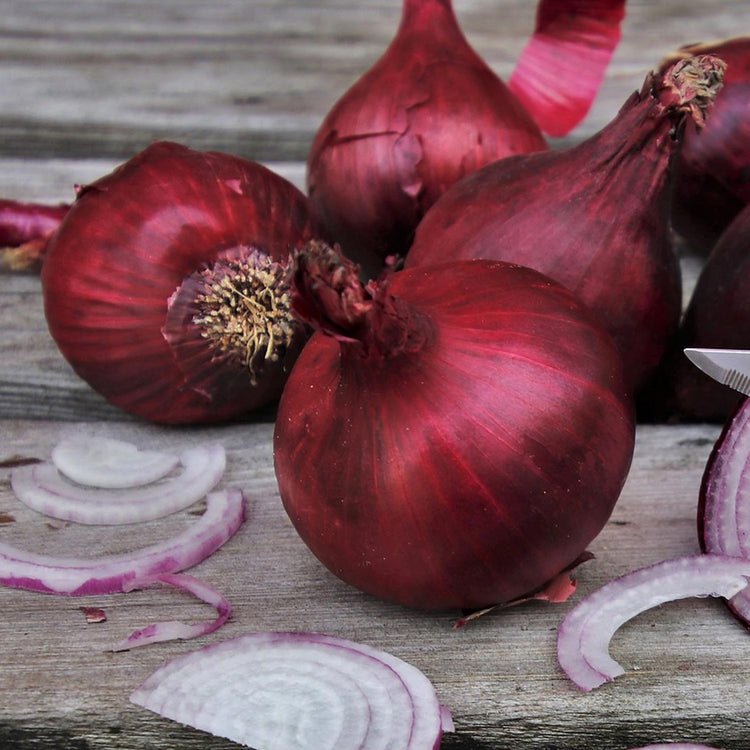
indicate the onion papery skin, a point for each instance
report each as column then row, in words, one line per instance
column 717, row 316
column 470, row 468
column 428, row 112
column 129, row 242
column 712, row 182
column 593, row 217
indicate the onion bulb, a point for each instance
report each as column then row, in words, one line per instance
column 593, row 217
column 430, row 111
column 164, row 286
column 451, row 436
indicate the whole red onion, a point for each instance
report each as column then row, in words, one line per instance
column 593, row 217
column 717, row 316
column 712, row 182
column 165, row 286
column 452, row 436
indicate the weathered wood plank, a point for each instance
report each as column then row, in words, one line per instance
column 686, row 661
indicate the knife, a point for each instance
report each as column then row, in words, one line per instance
column 729, row 366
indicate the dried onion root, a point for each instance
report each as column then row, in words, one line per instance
column 299, row 691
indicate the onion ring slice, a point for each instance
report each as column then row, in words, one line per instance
column 299, row 691
column 160, row 632
column 96, row 461
column 584, row 635
column 42, row 488
column 225, row 512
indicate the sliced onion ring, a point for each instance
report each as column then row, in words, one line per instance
column 42, row 488
column 584, row 635
column 96, row 461
column 724, row 508
column 225, row 511
column 299, row 691
column 160, row 632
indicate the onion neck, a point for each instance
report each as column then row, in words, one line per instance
column 434, row 19
column 328, row 294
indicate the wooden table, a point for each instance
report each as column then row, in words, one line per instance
column 86, row 83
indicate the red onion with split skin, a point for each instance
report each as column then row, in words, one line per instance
column 593, row 217
column 430, row 111
column 451, row 436
column 712, row 182
column 165, row 286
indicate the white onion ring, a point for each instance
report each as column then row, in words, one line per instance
column 585, row 633
column 42, row 488
column 299, row 691
column 96, row 461
column 225, row 511
column 160, row 632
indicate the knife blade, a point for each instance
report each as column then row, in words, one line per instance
column 728, row 366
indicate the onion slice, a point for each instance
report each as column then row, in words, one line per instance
column 299, row 691
column 41, row 487
column 159, row 632
column 225, row 511
column 724, row 509
column 585, row 633
column 561, row 68
column 97, row 461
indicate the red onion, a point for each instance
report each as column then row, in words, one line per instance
column 453, row 436
column 25, row 229
column 299, row 691
column 431, row 111
column 159, row 632
column 592, row 217
column 225, row 512
column 41, row 487
column 713, row 166
column 164, row 287
column 585, row 633
column 717, row 316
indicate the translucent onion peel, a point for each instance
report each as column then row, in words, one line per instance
column 299, row 691
column 160, row 632
column 41, row 487
column 98, row 461
column 561, row 68
column 724, row 507
column 225, row 512
column 585, row 633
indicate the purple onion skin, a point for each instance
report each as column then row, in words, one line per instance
column 712, row 182
column 717, row 316
column 427, row 113
column 592, row 217
column 469, row 470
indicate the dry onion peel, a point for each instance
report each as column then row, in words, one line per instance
column 160, row 632
column 40, row 486
column 97, row 461
column 225, row 511
column 299, row 691
column 585, row 633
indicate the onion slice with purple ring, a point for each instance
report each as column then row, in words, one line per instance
column 159, row 632
column 724, row 507
column 299, row 691
column 225, row 512
column 584, row 635
column 96, row 461
column 42, row 488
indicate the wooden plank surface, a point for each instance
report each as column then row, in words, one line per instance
column 85, row 83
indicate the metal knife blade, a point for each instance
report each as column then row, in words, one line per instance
column 728, row 366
